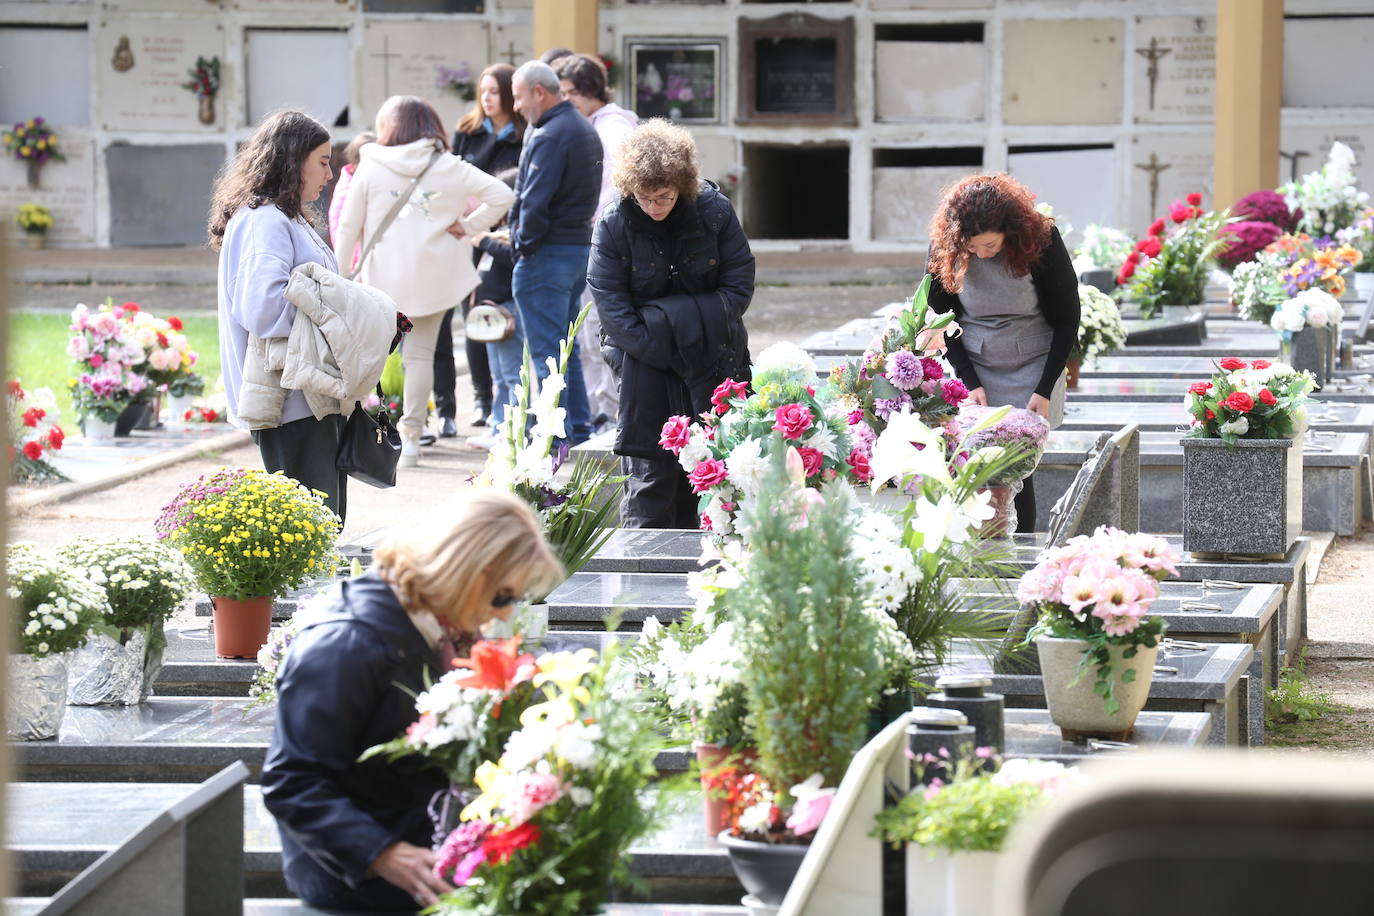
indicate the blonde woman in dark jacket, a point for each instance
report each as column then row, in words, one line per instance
column 672, row 274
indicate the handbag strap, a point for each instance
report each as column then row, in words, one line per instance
column 401, row 201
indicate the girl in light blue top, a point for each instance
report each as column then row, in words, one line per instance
column 261, row 216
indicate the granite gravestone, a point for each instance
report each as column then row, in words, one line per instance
column 1174, row 69
column 796, row 68
column 149, row 95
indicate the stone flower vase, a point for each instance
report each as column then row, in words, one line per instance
column 177, row 405
column 205, row 111
column 37, row 696
column 1242, row 499
column 36, row 239
column 1363, row 284
column 944, row 883
column 1079, row 710
column 1310, row 349
column 241, row 626
column 765, row 869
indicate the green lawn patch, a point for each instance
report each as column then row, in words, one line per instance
column 38, row 354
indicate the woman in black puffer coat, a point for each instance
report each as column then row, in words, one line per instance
column 672, row 275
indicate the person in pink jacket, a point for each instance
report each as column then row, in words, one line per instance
column 582, row 79
column 352, row 153
column 421, row 260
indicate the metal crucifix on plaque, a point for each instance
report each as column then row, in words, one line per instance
column 386, row 55
column 1153, row 54
column 510, row 56
column 1293, row 158
column 1154, row 167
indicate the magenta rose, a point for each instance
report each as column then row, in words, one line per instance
column 792, row 420
column 707, row 474
column 725, row 391
column 953, row 391
column 676, row 434
column 812, row 459
column 858, row 464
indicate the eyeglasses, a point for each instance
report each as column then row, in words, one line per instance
column 662, row 201
column 506, row 599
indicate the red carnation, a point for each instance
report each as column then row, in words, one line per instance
column 161, row 339
column 812, row 460
column 56, row 438
column 1239, row 401
column 1199, row 387
column 1127, row 271
column 1209, row 415
column 1260, row 364
column 15, row 389
column 130, row 307
column 1179, row 211
column 1133, row 257
column 1157, row 227
column 1231, row 364
column 499, row 846
column 32, row 416
column 174, row 323
column 33, row 451
column 1150, row 247
column 1267, row 397
column 208, row 415
column 1194, row 199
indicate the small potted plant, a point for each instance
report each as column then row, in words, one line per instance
column 34, row 143
column 1101, row 332
column 35, row 220
column 953, row 831
column 249, row 536
column 34, row 434
column 1170, row 266
column 145, row 582
column 1097, row 646
column 1242, row 459
column 53, row 608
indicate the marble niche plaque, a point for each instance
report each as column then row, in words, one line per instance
column 47, row 72
column 1174, row 64
column 142, row 63
column 1041, row 57
column 929, row 80
column 307, row 69
column 403, row 58
column 1304, row 149
column 905, row 197
column 65, row 188
column 320, row 7
column 1073, row 181
column 1165, row 168
column 1317, row 58
column 164, row 6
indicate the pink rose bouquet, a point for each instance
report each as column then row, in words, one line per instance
column 1099, row 589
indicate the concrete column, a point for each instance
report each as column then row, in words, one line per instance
column 1249, row 97
column 566, row 24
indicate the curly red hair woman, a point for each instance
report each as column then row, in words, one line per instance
column 1004, row 271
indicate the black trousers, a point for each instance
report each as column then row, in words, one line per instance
column 1025, row 506
column 657, row 494
column 304, row 450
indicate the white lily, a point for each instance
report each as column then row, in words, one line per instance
column 896, row 455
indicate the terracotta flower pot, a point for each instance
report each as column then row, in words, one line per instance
column 710, row 757
column 1072, row 368
column 241, row 626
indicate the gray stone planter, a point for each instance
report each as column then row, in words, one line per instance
column 1078, row 709
column 1311, row 349
column 1244, row 498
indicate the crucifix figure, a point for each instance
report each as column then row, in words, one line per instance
column 1154, row 167
column 386, row 55
column 1153, row 54
column 510, row 56
column 1293, row 158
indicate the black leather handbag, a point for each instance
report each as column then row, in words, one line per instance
column 370, row 448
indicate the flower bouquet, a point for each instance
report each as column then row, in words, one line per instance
column 35, row 220
column 900, row 369
column 560, row 761
column 727, row 452
column 248, row 536
column 1249, row 400
column 53, row 609
column 579, row 514
column 1102, row 248
column 145, row 582
column 33, row 143
column 1170, row 267
column 1018, row 432
column 1257, row 286
column 1328, row 197
column 108, row 359
column 34, row 434
column 1101, row 331
column 1360, row 236
column 1093, row 595
column 457, row 80
column 1311, row 308
column 1317, row 267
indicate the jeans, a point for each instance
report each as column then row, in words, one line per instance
column 547, row 285
column 305, row 451
column 505, row 359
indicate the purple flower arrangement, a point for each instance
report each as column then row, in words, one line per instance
column 1020, row 431
column 1244, row 240
column 1267, row 207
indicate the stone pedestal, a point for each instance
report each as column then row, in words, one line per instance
column 1244, row 498
column 1309, row 350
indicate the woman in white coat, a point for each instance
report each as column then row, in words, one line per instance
column 420, row 260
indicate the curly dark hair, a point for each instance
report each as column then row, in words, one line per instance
column 986, row 203
column 657, row 154
column 267, row 170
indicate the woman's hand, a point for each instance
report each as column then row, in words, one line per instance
column 456, row 230
column 1039, row 404
column 411, row 868
column 979, row 396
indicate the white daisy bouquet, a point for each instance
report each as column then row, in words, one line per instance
column 1101, row 331
column 54, row 606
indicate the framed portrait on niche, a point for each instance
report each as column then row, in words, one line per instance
column 677, row 79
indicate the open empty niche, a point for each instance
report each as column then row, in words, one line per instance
column 908, row 182
column 797, row 192
column 1079, row 181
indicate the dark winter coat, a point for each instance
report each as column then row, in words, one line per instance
column 672, row 311
column 559, row 183
column 347, row 683
column 495, row 282
column 487, row 151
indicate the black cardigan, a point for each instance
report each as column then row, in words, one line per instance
column 1056, row 293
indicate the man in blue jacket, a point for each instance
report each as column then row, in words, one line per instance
column 551, row 226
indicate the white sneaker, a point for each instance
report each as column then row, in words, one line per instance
column 410, row 454
column 482, row 443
